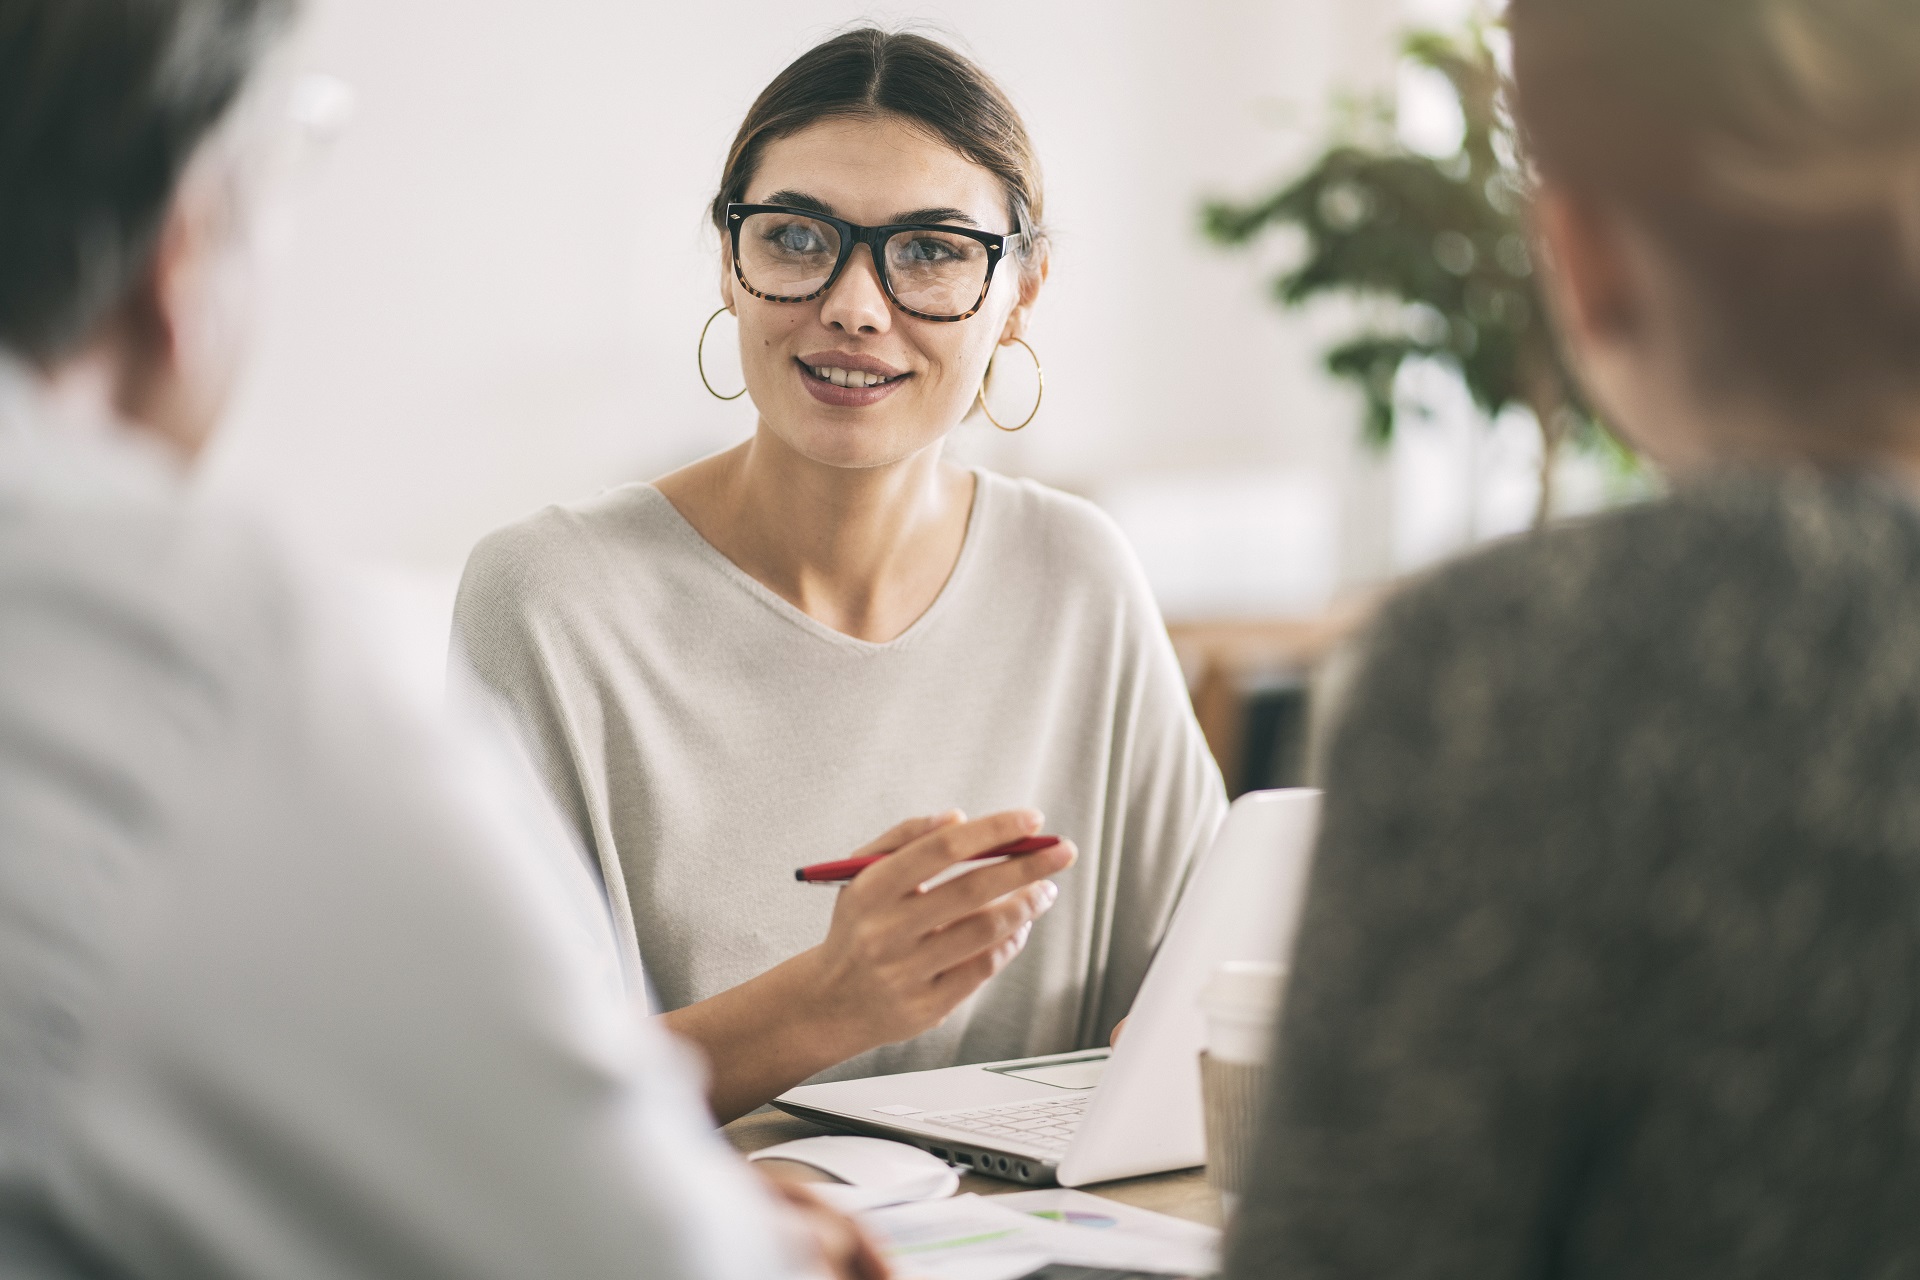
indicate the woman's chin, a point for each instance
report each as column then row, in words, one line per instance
column 852, row 446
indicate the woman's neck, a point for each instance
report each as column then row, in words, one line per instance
column 863, row 551
column 1864, row 434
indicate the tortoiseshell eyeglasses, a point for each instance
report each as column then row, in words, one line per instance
column 930, row 271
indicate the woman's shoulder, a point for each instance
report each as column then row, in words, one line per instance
column 547, row 552
column 1780, row 531
column 1059, row 532
column 1803, row 552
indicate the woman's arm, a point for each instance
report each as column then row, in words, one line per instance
column 1167, row 803
column 896, row 961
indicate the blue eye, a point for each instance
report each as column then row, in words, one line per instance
column 797, row 238
column 927, row 249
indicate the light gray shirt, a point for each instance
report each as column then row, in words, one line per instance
column 293, row 981
column 706, row 738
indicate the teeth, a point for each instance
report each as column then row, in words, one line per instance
column 846, row 377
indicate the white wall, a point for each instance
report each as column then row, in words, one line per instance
column 494, row 298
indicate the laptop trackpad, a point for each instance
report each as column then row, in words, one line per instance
column 1074, row 1073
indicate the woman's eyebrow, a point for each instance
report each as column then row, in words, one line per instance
column 801, row 200
column 959, row 216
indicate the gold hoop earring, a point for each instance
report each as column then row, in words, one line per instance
column 700, row 359
column 1039, row 375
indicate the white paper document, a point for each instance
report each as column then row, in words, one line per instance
column 1001, row 1238
column 964, row 1238
column 1151, row 1241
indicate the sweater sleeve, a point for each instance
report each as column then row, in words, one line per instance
column 1438, row 1052
column 515, row 642
column 1167, row 802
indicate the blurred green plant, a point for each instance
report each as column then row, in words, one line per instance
column 1444, row 237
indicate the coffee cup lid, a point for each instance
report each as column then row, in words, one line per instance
column 1250, row 985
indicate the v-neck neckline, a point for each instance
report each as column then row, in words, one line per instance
column 969, row 552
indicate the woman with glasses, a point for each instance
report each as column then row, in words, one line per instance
column 757, row 661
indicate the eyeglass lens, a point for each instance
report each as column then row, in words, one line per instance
column 786, row 255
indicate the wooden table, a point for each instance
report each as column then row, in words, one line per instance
column 1184, row 1194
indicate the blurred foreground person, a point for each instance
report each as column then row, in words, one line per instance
column 289, row 985
column 1611, row 964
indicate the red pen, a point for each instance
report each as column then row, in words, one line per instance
column 848, row 868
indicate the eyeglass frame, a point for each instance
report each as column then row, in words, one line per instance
column 852, row 235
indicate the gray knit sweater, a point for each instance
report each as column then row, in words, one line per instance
column 1611, row 960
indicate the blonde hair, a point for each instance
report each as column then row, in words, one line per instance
column 1835, row 114
column 1775, row 144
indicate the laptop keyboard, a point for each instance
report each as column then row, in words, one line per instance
column 1046, row 1123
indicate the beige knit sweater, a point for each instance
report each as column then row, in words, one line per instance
column 705, row 738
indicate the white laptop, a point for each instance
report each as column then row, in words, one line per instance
column 1095, row 1115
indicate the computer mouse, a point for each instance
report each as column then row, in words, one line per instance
column 882, row 1172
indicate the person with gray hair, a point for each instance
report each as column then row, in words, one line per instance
column 294, row 981
column 1610, row 965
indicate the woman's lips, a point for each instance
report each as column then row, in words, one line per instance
column 846, row 397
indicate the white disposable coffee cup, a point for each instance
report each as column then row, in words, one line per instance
column 1242, row 1002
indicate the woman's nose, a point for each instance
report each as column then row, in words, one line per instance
column 857, row 303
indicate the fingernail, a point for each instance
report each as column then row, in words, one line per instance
column 1020, row 939
column 1049, row 894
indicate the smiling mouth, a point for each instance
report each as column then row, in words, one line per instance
column 854, row 378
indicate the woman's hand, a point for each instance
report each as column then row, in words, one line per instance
column 896, row 961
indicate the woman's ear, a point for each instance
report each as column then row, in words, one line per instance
column 1589, row 278
column 1615, row 306
column 1032, row 276
column 726, row 277
column 181, row 331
